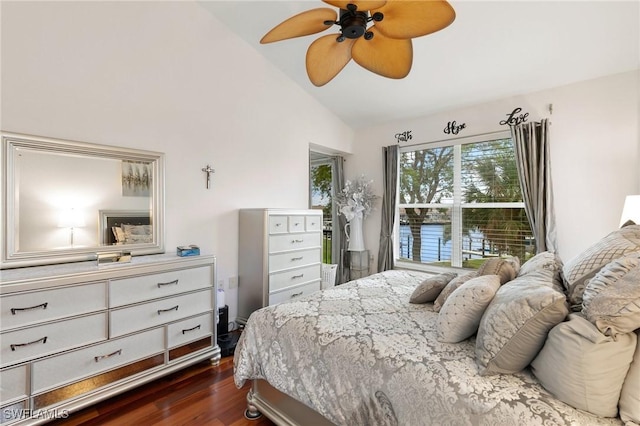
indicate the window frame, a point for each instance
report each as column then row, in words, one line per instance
column 457, row 205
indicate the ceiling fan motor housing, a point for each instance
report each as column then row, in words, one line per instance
column 353, row 23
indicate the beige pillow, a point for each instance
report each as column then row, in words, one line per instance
column 429, row 289
column 461, row 313
column 629, row 403
column 449, row 288
column 118, row 233
column 500, row 267
column 515, row 325
column 584, row 368
column 611, row 299
column 546, row 268
column 584, row 266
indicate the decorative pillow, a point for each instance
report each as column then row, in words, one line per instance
column 136, row 229
column 429, row 289
column 584, row 368
column 136, row 239
column 629, row 402
column 585, row 265
column 514, row 261
column 611, row 299
column 137, row 233
column 118, row 234
column 461, row 313
column 515, row 325
column 546, row 267
column 500, row 267
column 449, row 288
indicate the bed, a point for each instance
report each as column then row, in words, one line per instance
column 360, row 354
column 118, row 227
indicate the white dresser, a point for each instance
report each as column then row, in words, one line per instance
column 74, row 334
column 279, row 257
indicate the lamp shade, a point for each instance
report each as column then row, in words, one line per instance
column 631, row 210
column 71, row 218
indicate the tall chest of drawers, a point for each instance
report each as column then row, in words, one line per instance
column 279, row 257
column 74, row 334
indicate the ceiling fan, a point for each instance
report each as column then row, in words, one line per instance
column 384, row 48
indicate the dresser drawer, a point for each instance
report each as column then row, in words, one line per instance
column 313, row 223
column 278, row 224
column 34, row 342
column 151, row 314
column 279, row 243
column 294, row 259
column 282, row 280
column 190, row 329
column 13, row 383
column 293, row 293
column 85, row 362
column 296, row 223
column 29, row 308
column 145, row 287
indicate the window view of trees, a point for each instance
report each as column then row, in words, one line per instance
column 322, row 197
column 461, row 204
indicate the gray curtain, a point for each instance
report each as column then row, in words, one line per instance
column 390, row 177
column 531, row 141
column 339, row 242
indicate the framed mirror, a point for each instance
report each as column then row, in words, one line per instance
column 66, row 201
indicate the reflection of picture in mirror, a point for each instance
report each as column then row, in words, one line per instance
column 136, row 178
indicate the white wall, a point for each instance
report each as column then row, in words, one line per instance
column 169, row 77
column 595, row 151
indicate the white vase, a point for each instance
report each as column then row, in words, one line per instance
column 355, row 236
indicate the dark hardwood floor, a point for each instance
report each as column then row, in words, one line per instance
column 198, row 395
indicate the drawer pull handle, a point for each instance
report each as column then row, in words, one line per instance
column 278, row 224
column 297, row 276
column 297, row 241
column 18, row 345
column 197, row 327
column 293, row 259
column 101, row 357
column 296, row 294
column 43, row 306
column 169, row 283
column 175, row 308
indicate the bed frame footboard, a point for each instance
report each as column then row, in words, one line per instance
column 283, row 410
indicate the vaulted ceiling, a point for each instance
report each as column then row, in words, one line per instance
column 493, row 49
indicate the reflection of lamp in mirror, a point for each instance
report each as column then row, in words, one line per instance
column 631, row 210
column 71, row 218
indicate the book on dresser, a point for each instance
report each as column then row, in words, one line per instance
column 73, row 334
column 279, row 257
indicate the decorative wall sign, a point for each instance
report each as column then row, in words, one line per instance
column 514, row 119
column 454, row 128
column 404, row 136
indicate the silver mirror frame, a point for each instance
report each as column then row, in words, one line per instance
column 12, row 258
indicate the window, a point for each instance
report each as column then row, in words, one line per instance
column 461, row 203
column 321, row 197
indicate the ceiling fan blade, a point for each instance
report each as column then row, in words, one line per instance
column 362, row 4
column 302, row 24
column 410, row 18
column 382, row 55
column 326, row 58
